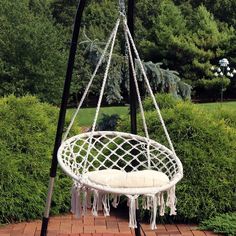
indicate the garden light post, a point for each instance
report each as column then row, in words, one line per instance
column 223, row 71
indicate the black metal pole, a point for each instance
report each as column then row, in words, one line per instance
column 62, row 114
column 133, row 93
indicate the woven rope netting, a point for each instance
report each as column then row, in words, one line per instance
column 95, row 151
column 121, row 151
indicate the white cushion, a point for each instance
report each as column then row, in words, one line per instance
column 110, row 177
column 146, row 178
column 121, row 179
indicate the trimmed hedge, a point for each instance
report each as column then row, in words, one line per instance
column 223, row 224
column 207, row 148
column 26, row 143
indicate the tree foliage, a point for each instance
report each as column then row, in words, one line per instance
column 185, row 36
column 223, row 10
column 160, row 80
column 32, row 51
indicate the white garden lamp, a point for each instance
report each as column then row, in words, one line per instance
column 223, row 71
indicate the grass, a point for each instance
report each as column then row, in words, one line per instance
column 86, row 115
column 214, row 106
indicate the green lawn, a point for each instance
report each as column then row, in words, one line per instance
column 86, row 115
column 218, row 105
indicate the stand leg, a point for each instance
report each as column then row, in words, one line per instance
column 62, row 114
column 138, row 229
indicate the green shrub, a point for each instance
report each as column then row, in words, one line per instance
column 214, row 84
column 211, row 89
column 27, row 133
column 206, row 147
column 227, row 115
column 163, row 100
column 107, row 122
column 224, row 224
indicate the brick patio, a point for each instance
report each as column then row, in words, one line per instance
column 114, row 225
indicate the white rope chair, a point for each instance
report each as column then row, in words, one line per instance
column 108, row 164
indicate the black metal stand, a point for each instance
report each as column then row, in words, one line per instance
column 64, row 101
column 62, row 114
column 133, row 94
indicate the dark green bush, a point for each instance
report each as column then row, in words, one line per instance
column 211, row 89
column 207, row 149
column 27, row 132
column 108, row 122
column 214, row 84
column 224, row 224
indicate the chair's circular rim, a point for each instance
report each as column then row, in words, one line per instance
column 126, row 191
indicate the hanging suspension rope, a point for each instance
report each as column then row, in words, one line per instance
column 148, row 85
column 102, row 91
column 122, row 7
column 139, row 96
column 92, row 78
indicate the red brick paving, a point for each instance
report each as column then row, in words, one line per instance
column 68, row 225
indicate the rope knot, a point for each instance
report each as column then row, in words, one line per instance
column 122, row 7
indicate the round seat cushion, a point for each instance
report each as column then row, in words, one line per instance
column 108, row 177
column 121, row 179
column 146, row 178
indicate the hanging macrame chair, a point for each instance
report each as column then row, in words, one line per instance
column 108, row 164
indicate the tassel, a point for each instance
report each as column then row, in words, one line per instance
column 100, row 197
column 116, row 200
column 85, row 195
column 149, row 202
column 159, row 199
column 137, row 204
column 154, row 212
column 89, row 193
column 76, row 199
column 73, row 198
column 78, row 208
column 171, row 200
column 106, row 204
column 128, row 202
column 95, row 202
column 132, row 211
column 144, row 202
column 162, row 204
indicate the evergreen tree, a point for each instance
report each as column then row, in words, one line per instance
column 63, row 11
column 186, row 36
column 223, row 10
column 203, row 44
column 161, row 80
